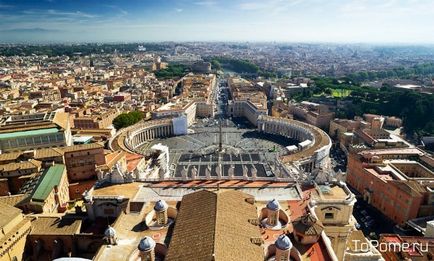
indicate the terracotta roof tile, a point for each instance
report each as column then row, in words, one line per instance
column 215, row 226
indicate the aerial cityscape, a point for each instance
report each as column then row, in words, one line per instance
column 289, row 130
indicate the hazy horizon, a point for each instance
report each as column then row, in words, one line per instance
column 390, row 22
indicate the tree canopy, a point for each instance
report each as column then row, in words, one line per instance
column 416, row 109
column 127, row 119
column 236, row 65
column 75, row 49
column 172, row 71
column 420, row 69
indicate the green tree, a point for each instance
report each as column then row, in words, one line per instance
column 127, row 119
column 172, row 71
column 216, row 64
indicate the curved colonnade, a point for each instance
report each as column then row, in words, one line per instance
column 132, row 137
column 313, row 155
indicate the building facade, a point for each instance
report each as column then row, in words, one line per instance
column 81, row 160
column 14, row 228
column 51, row 194
column 96, row 120
column 394, row 181
column 247, row 100
column 28, row 132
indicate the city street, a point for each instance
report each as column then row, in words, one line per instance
column 371, row 221
column 221, row 99
column 338, row 159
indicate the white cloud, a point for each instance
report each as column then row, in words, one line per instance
column 57, row 13
column 271, row 6
column 121, row 11
column 3, row 6
column 254, row 20
column 206, row 3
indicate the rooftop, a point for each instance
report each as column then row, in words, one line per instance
column 127, row 190
column 174, row 191
column 130, row 229
column 27, row 126
column 51, row 178
column 55, row 225
column 394, row 151
column 7, row 214
column 20, row 165
column 13, row 200
column 48, row 152
column 82, row 147
column 214, row 226
column 18, row 134
column 11, row 156
column 332, row 192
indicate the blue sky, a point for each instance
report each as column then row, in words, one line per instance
column 359, row 21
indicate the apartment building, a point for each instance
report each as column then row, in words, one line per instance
column 96, row 119
column 398, row 182
column 81, row 163
column 247, row 100
column 51, row 194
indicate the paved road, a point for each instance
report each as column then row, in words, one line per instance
column 221, row 99
column 372, row 222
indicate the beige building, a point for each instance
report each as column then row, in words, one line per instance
column 198, row 88
column 247, row 100
column 81, row 160
column 377, row 137
column 195, row 100
column 32, row 131
column 13, row 175
column 51, row 193
column 96, row 119
column 54, row 237
column 173, row 110
column 340, row 126
column 333, row 205
column 14, row 228
column 81, row 163
column 369, row 132
column 313, row 113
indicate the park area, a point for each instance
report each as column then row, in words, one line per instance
column 340, row 93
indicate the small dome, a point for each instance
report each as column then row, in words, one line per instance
column 110, row 232
column 146, row 244
column 273, row 205
column 160, row 205
column 283, row 242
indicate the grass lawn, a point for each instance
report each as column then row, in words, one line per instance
column 340, row 93
column 336, row 93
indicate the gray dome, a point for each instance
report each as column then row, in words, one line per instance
column 283, row 242
column 146, row 244
column 160, row 205
column 110, row 232
column 273, row 205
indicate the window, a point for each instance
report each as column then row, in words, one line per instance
column 329, row 215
